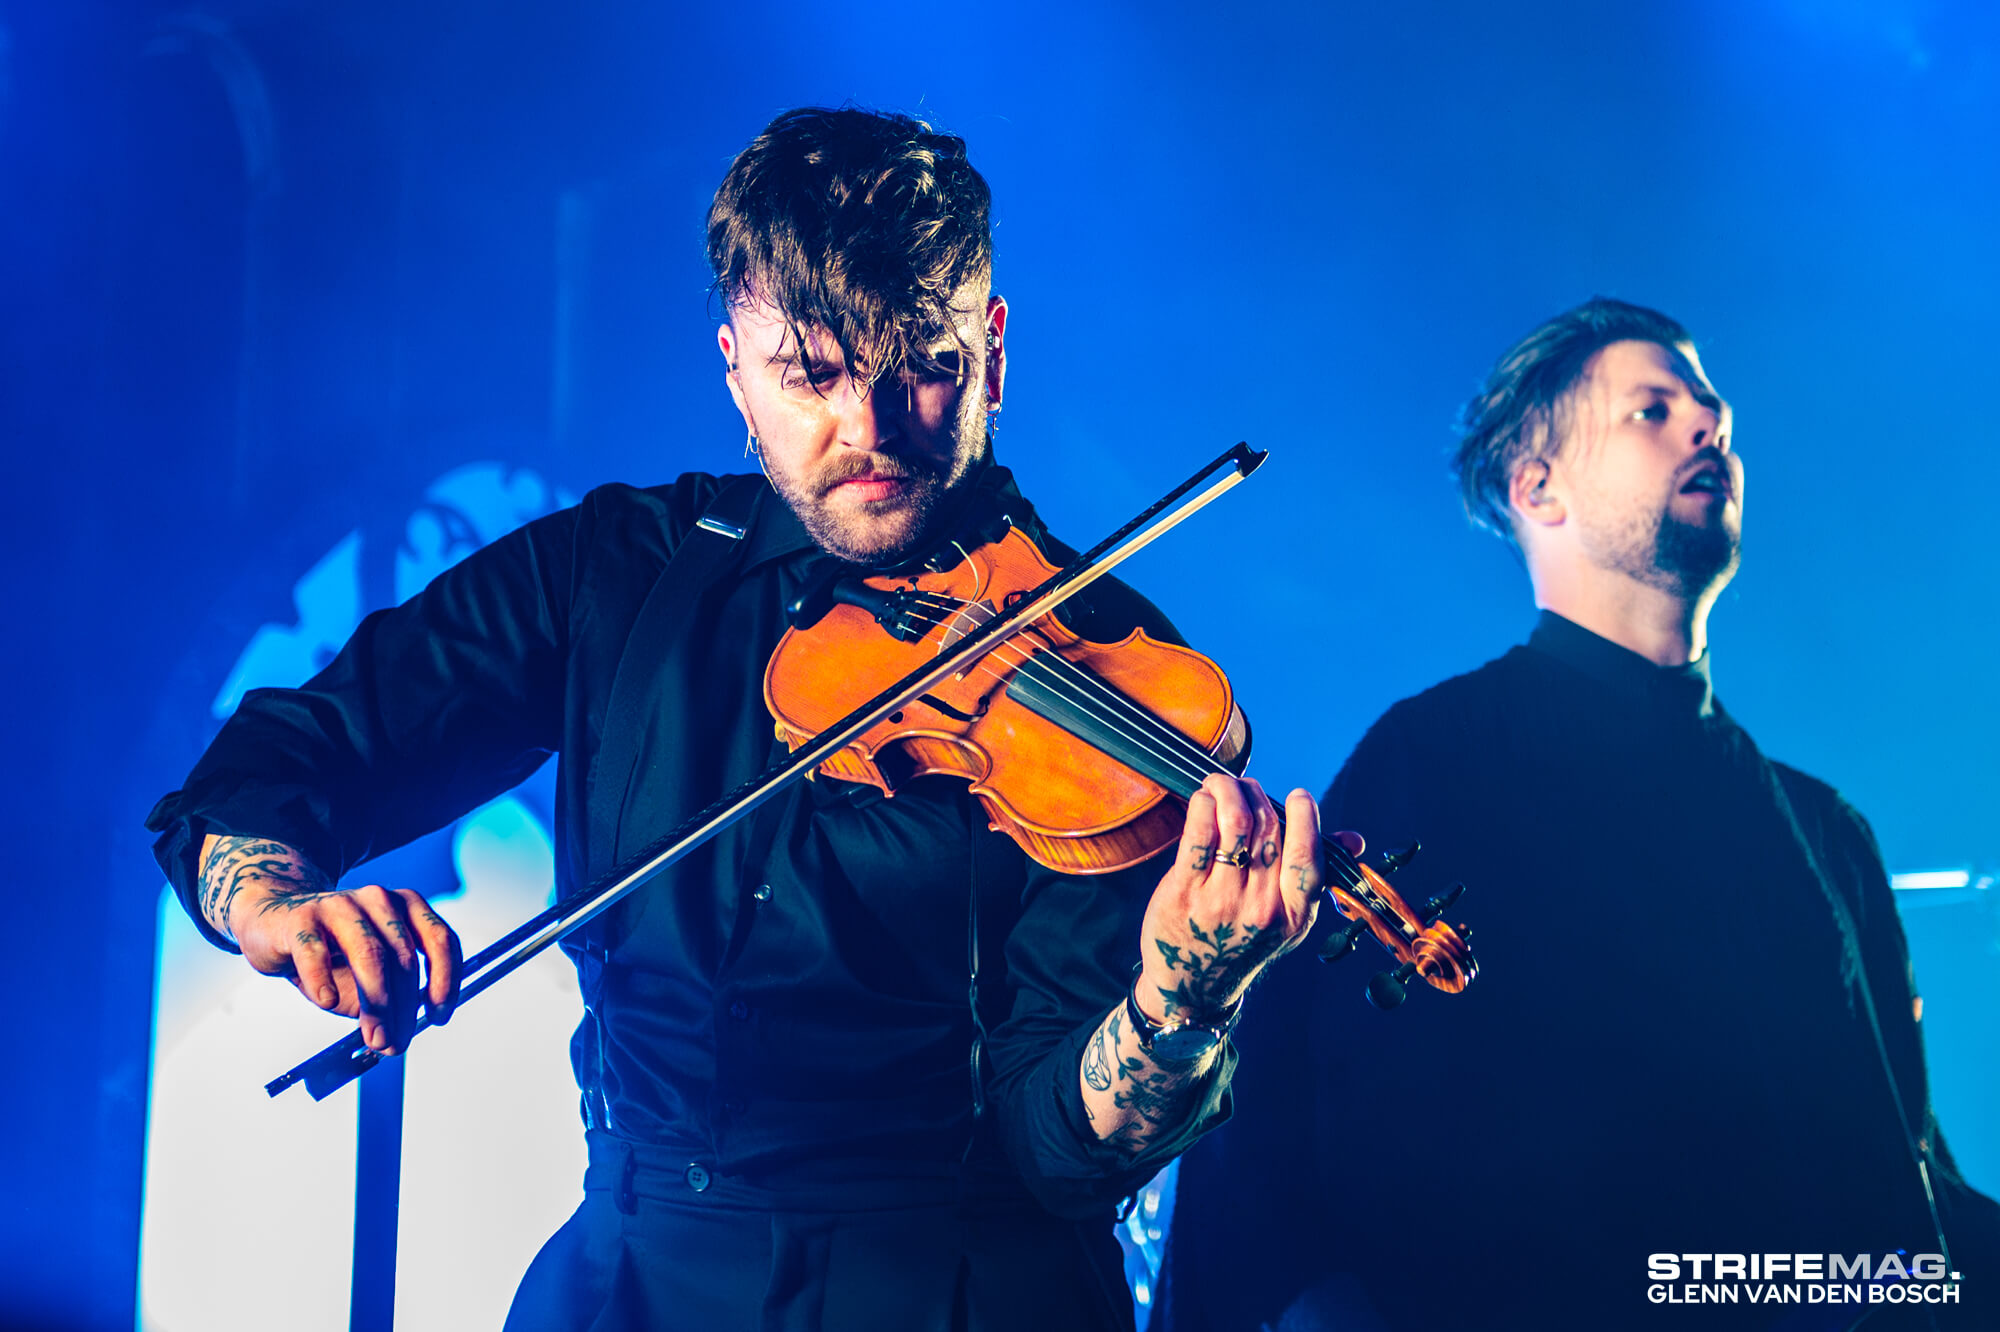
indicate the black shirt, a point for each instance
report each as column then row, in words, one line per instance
column 789, row 1003
column 1688, row 950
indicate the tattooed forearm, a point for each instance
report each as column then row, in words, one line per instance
column 1131, row 1101
column 1097, row 1063
column 283, row 876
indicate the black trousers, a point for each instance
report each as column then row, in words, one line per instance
column 662, row 1243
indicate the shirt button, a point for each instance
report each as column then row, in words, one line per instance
column 697, row 1177
column 739, row 1010
column 762, row 892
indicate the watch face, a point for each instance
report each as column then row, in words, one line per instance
column 1184, row 1045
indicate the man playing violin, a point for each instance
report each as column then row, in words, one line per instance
column 1696, row 1034
column 858, row 1063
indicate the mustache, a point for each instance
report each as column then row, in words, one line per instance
column 1706, row 456
column 873, row 466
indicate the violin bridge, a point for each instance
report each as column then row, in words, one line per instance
column 970, row 616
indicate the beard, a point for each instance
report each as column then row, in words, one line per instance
column 885, row 533
column 1695, row 557
column 1661, row 550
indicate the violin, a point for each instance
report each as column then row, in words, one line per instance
column 1086, row 754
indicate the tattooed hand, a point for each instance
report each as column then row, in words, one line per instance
column 1211, row 926
column 349, row 951
column 1234, row 900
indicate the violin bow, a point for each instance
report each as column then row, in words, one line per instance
column 348, row 1058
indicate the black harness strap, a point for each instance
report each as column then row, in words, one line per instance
column 709, row 551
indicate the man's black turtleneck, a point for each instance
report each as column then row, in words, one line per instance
column 1688, row 952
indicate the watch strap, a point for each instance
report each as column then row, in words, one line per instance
column 1149, row 1031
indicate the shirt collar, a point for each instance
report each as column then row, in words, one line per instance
column 1680, row 689
column 775, row 531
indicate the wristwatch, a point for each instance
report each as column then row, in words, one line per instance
column 1174, row 1043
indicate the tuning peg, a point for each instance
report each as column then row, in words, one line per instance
column 1440, row 904
column 1386, row 988
column 1391, row 861
column 1341, row 942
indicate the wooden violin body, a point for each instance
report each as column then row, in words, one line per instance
column 1052, row 791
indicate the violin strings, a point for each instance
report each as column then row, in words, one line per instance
column 1191, row 763
column 1119, row 714
column 1141, row 729
column 1136, row 726
column 1343, row 861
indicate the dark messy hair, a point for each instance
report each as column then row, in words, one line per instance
column 1523, row 412
column 862, row 223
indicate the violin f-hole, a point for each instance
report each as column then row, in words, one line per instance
column 934, row 702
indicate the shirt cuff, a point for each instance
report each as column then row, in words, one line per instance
column 236, row 808
column 178, row 851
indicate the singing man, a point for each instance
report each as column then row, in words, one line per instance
column 1696, row 1031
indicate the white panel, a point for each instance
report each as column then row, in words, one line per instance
column 248, row 1219
column 492, row 1147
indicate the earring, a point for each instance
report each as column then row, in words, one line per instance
column 992, row 420
column 750, row 448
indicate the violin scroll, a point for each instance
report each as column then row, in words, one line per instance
column 1420, row 940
